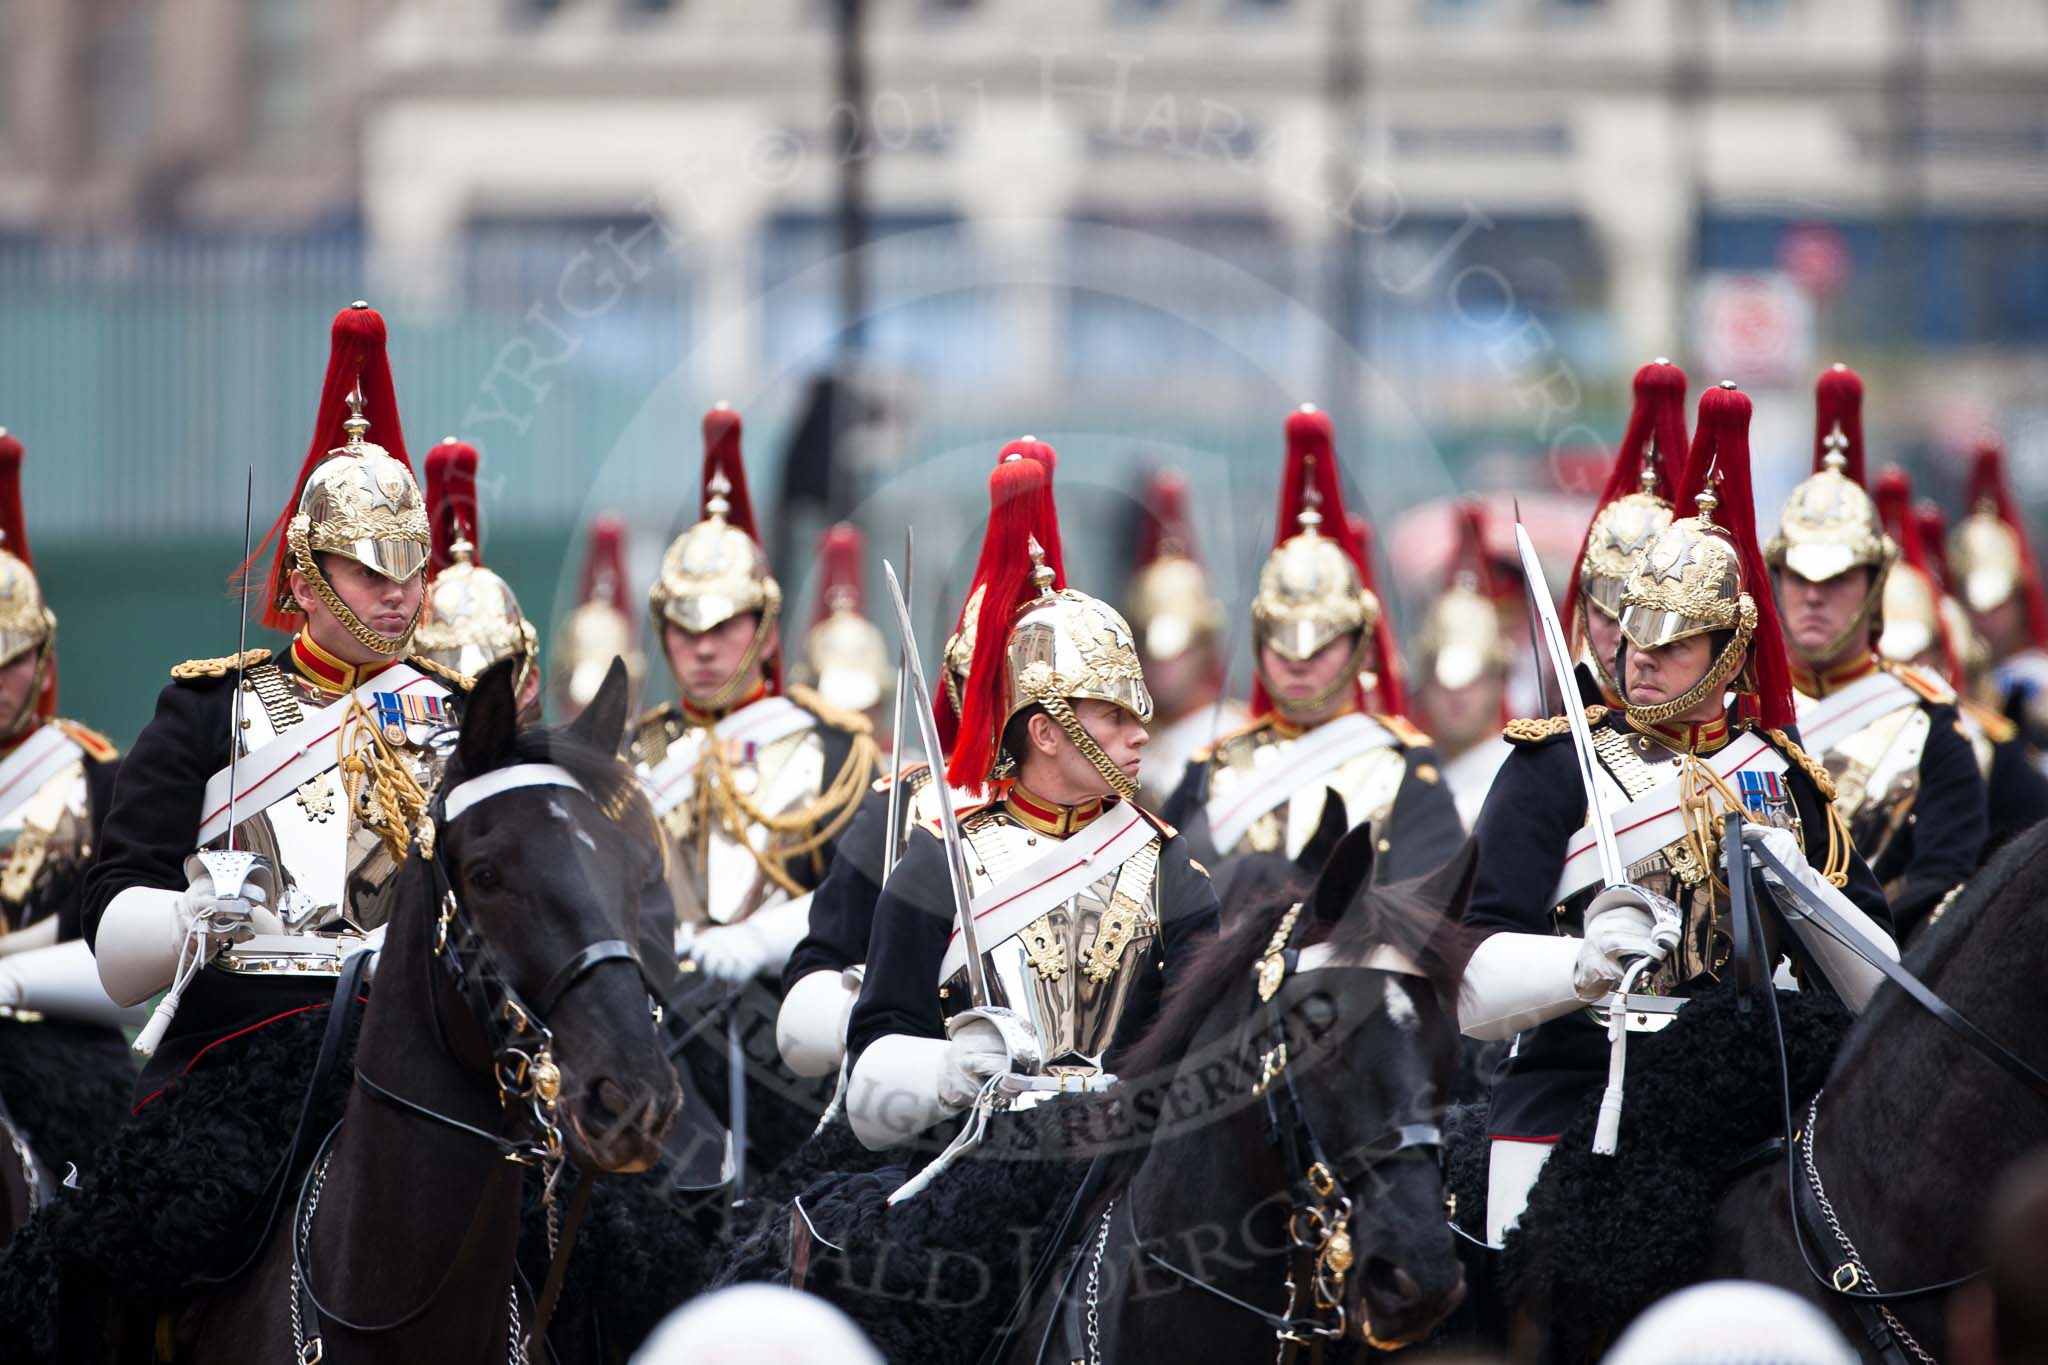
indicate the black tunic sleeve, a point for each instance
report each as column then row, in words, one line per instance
column 2018, row 791
column 152, row 823
column 1537, row 803
column 1862, row 888
column 1950, row 822
column 913, row 920
column 1424, row 829
column 843, row 906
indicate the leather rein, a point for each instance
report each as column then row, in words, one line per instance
column 523, row 1068
column 1319, row 1223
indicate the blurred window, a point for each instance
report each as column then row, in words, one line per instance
column 123, row 80
column 647, row 9
column 1456, row 11
column 532, row 11
column 1757, row 11
column 285, row 69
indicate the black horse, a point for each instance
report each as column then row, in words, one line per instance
column 1293, row 1082
column 1913, row 1127
column 508, row 1014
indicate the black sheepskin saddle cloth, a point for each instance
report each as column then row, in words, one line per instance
column 67, row 1087
column 175, row 1195
column 1606, row 1236
column 935, row 1278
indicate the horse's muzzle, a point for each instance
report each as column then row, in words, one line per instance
column 621, row 1127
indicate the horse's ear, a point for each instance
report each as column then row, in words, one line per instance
column 1346, row 875
column 1449, row 889
column 1330, row 830
column 603, row 723
column 490, row 719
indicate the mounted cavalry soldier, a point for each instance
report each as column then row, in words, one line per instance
column 1178, row 624
column 1994, row 573
column 297, row 773
column 845, row 658
column 1462, row 658
column 1634, row 509
column 752, row 786
column 1082, row 902
column 65, row 1071
column 823, row 975
column 1696, row 623
column 56, row 780
column 470, row 619
column 599, row 628
column 2015, row 788
column 1906, row 782
column 1321, row 641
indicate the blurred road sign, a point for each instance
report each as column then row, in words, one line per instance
column 1753, row 327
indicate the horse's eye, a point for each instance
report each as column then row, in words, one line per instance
column 483, row 877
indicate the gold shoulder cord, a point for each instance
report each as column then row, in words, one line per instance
column 397, row 800
column 1698, row 784
column 812, row 826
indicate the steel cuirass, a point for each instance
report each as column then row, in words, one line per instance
column 1070, row 968
column 1284, row 815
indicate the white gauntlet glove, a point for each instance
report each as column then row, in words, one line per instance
column 975, row 1052
column 1614, row 938
column 1854, row 979
column 762, row 942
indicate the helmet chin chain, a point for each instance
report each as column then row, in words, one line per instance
column 742, row 675
column 1712, row 683
column 1300, row 710
column 18, row 724
column 1120, row 782
column 390, row 645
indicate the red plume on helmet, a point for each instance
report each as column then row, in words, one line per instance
column 14, row 540
column 1988, row 486
column 604, row 566
column 722, row 456
column 1656, row 423
column 355, row 356
column 1838, row 402
column 1894, row 497
column 13, row 525
column 1016, row 491
column 842, row 569
column 1164, row 528
column 1720, row 459
column 1042, row 522
column 451, row 503
column 1931, row 524
column 1311, row 462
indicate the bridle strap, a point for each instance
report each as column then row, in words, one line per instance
column 576, row 968
column 498, row 781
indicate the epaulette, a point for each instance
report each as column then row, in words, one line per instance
column 887, row 780
column 838, row 717
column 1166, row 831
column 218, row 668
column 1925, row 684
column 937, row 825
column 1245, row 731
column 1999, row 729
column 1542, row 729
column 97, row 746
column 461, row 682
column 651, row 734
column 1404, row 730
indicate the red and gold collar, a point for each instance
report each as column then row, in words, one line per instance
column 1048, row 817
column 1287, row 729
column 693, row 715
column 1818, row 685
column 328, row 673
column 1695, row 737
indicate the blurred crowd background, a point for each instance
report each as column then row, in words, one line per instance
column 896, row 233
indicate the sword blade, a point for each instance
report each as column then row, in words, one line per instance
column 241, row 648
column 1543, row 611
column 949, row 822
column 891, row 846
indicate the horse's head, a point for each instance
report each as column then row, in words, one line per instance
column 1361, row 983
column 550, row 852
